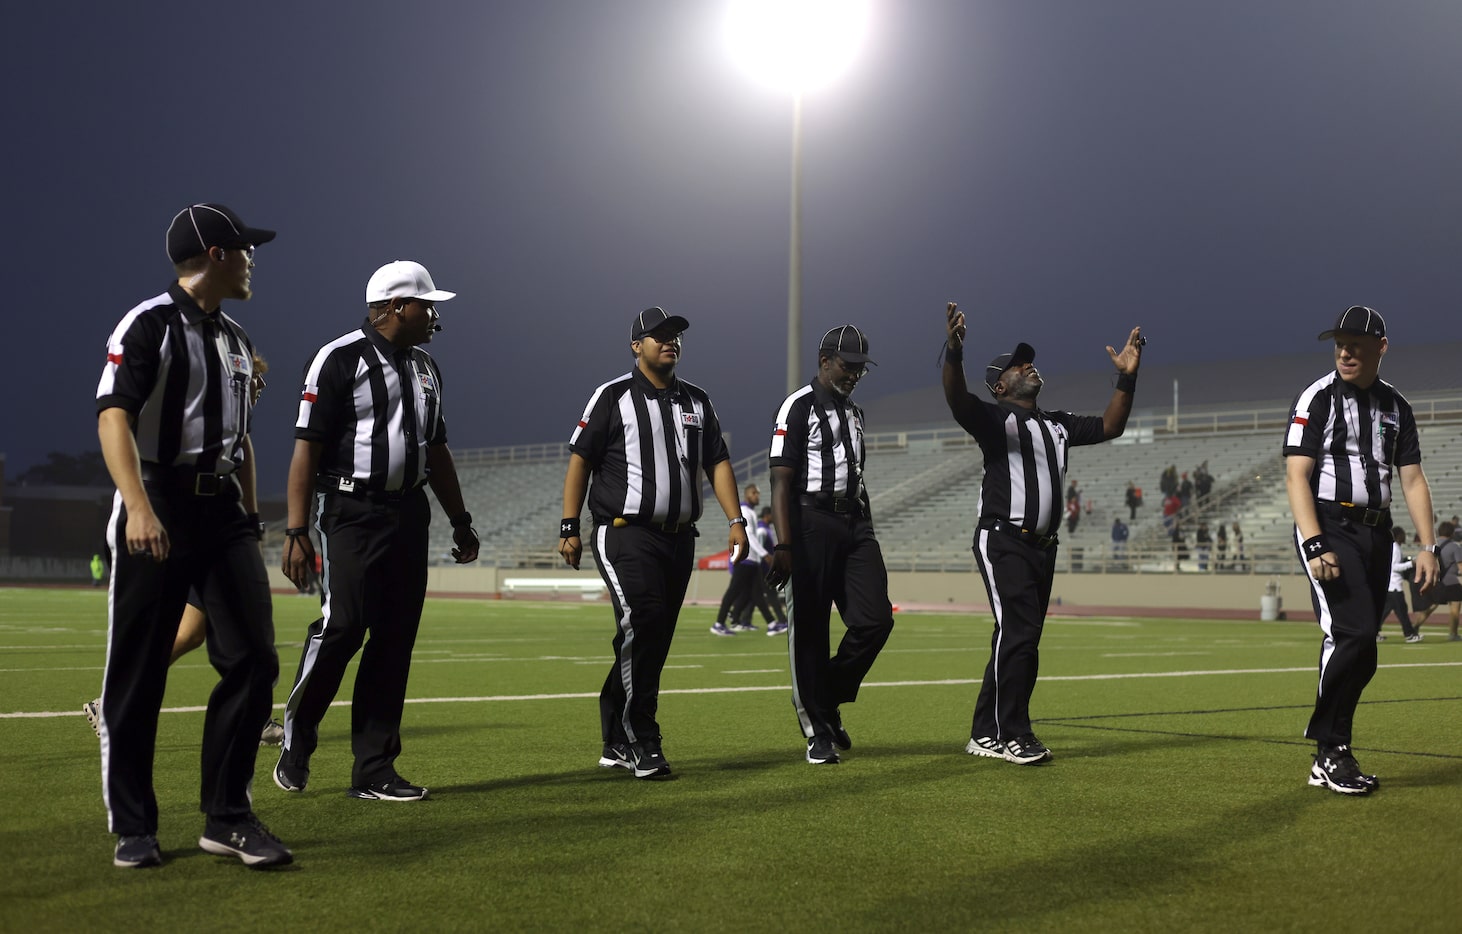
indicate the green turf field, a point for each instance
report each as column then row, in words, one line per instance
column 1177, row 799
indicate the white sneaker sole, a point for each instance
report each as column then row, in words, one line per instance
column 607, row 763
column 1319, row 779
column 975, row 749
column 248, row 859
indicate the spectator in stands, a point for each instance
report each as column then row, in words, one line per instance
column 1202, row 480
column 1073, row 513
column 1202, row 544
column 1185, row 490
column 1220, row 548
column 1167, row 483
column 1024, row 448
column 1120, row 534
column 1401, row 570
column 1134, row 500
column 1449, row 591
column 1239, row 564
column 1073, row 492
column 1180, row 544
column 1170, row 506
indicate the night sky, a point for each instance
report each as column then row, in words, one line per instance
column 1228, row 175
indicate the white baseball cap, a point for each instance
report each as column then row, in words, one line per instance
column 404, row 279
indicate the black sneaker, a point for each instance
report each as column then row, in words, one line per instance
column 137, row 851
column 245, row 837
column 840, row 736
column 395, row 789
column 649, row 760
column 1335, row 768
column 820, row 750
column 291, row 775
column 616, row 756
column 1026, row 750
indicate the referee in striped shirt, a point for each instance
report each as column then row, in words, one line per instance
column 369, row 437
column 1348, row 432
column 1025, row 453
column 173, row 414
column 645, row 438
column 825, row 546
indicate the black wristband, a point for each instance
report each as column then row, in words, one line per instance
column 1127, row 382
column 462, row 520
column 258, row 525
column 301, row 532
column 1314, row 546
column 780, row 547
column 569, row 528
column 954, row 354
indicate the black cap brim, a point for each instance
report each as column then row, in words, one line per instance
column 673, row 321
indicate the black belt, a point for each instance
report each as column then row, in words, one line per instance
column 188, row 479
column 1362, row 514
column 843, row 505
column 671, row 528
column 348, row 486
column 1043, row 542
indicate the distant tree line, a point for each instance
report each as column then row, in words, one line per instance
column 84, row 469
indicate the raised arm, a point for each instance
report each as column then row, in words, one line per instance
column 957, row 396
column 1114, row 419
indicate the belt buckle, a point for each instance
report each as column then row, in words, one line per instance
column 1371, row 517
column 345, row 484
column 840, row 504
column 206, row 484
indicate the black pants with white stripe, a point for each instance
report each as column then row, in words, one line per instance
column 373, row 580
column 214, row 548
column 1018, row 578
column 1349, row 612
column 836, row 560
column 647, row 572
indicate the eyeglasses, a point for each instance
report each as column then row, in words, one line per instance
column 245, row 248
column 855, row 370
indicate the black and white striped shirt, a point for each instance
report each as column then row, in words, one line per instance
column 1356, row 436
column 1025, row 453
column 647, row 447
column 375, row 408
column 820, row 436
column 184, row 375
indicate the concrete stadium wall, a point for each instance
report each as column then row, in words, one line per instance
column 1130, row 594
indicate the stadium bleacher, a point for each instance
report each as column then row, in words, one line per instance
column 925, row 490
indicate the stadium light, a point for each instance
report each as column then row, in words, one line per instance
column 797, row 46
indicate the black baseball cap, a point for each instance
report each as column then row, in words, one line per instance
column 1357, row 319
column 652, row 318
column 198, row 227
column 846, row 342
column 1023, row 353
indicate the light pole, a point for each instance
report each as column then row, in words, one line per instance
column 796, row 45
column 794, row 255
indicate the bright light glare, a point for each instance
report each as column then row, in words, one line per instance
column 796, row 45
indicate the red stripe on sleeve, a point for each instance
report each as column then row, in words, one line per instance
column 1301, row 420
column 308, row 396
column 114, row 358
column 583, row 424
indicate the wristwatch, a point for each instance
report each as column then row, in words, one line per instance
column 739, row 520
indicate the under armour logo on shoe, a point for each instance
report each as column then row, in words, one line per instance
column 237, row 839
